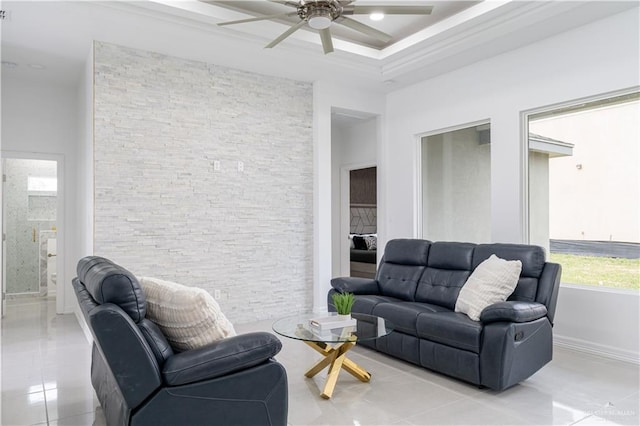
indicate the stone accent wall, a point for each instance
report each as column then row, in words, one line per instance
column 204, row 176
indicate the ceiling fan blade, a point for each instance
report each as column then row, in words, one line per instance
column 286, row 34
column 286, row 3
column 327, row 43
column 259, row 18
column 388, row 10
column 365, row 29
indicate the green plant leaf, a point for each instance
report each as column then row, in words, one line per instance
column 343, row 302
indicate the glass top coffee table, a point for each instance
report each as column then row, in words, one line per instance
column 334, row 343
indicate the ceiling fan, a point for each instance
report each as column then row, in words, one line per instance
column 321, row 14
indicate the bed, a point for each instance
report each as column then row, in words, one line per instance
column 363, row 255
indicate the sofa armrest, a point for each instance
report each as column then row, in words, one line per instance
column 355, row 285
column 220, row 358
column 513, row 311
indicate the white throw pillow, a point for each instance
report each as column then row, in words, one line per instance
column 372, row 242
column 189, row 317
column 491, row 282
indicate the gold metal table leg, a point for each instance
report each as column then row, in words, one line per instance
column 356, row 371
column 336, row 359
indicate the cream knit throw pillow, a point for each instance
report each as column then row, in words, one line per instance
column 189, row 317
column 491, row 282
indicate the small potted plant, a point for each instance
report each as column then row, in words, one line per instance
column 343, row 303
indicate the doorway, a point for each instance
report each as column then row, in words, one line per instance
column 30, row 219
column 355, row 139
column 363, row 222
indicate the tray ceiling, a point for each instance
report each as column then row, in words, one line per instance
column 398, row 26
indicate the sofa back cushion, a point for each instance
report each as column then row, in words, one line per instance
column 107, row 282
column 532, row 258
column 402, row 265
column 448, row 267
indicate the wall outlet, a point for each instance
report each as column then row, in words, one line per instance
column 216, row 165
column 216, row 294
column 240, row 166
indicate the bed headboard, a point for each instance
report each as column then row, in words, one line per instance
column 364, row 219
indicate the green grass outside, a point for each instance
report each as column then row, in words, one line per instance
column 599, row 271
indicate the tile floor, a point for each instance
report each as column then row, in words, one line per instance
column 45, row 380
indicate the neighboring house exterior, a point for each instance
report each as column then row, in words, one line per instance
column 594, row 193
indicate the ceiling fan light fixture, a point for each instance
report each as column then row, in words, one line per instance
column 376, row 16
column 320, row 18
column 319, row 22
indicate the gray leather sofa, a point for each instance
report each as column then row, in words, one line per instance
column 416, row 287
column 139, row 380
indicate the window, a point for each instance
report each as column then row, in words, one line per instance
column 456, row 185
column 45, row 184
column 584, row 190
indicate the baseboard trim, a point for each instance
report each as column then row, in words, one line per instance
column 591, row 348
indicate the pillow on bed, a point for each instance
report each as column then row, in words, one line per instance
column 359, row 242
column 189, row 317
column 371, row 241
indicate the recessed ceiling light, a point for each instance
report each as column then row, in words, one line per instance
column 376, row 16
column 9, row 64
column 37, row 66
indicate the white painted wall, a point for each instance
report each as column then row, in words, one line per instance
column 594, row 59
column 352, row 146
column 83, row 240
column 40, row 118
column 599, row 321
column 85, row 206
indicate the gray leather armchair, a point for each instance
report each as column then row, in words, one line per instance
column 139, row 380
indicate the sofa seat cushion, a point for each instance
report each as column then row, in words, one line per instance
column 365, row 304
column 450, row 328
column 404, row 315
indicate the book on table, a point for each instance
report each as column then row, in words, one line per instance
column 331, row 322
column 324, row 334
